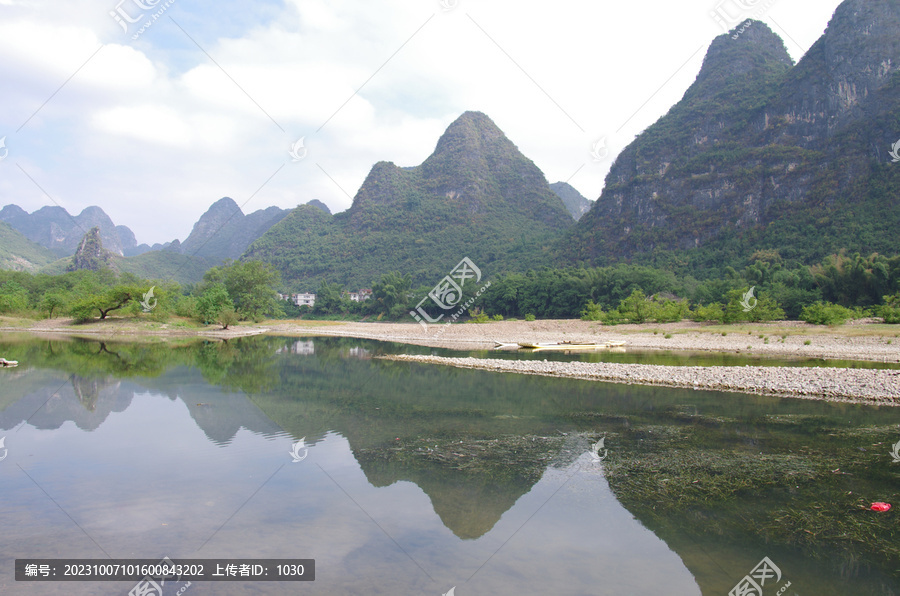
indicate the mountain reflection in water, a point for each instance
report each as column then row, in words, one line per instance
column 418, row 478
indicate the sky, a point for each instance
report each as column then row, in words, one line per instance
column 155, row 109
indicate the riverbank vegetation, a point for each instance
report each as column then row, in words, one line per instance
column 838, row 289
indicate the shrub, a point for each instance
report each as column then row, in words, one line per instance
column 671, row 311
column 497, row 318
column 711, row 312
column 890, row 312
column 478, row 316
column 529, row 317
column 763, row 308
column 826, row 313
column 592, row 312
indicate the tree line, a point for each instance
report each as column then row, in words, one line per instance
column 839, row 288
column 231, row 292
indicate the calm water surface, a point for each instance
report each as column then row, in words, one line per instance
column 421, row 478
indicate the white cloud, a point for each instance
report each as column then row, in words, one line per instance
column 154, row 131
column 155, row 124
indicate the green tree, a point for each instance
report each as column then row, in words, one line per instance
column 104, row 301
column 212, row 302
column 389, row 295
column 227, row 317
column 592, row 312
column 13, row 297
column 328, row 299
column 251, row 287
column 53, row 301
column 637, row 308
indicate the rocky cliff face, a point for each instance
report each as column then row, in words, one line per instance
column 841, row 80
column 574, row 201
column 90, row 253
column 760, row 154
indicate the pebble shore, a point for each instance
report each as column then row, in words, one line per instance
column 867, row 386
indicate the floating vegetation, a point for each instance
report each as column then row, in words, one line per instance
column 802, row 490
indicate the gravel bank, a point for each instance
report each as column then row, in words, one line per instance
column 868, row 386
column 879, row 343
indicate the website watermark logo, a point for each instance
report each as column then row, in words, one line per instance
column 894, row 152
column 6, row 451
column 295, row 450
column 753, row 583
column 4, row 151
column 150, row 587
column 729, row 13
column 599, row 150
column 450, row 592
column 138, row 13
column 448, row 293
column 446, row 6
column 298, row 151
column 145, row 303
column 595, row 450
column 895, row 452
column 745, row 300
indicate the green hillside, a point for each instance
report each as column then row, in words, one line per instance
column 475, row 196
column 156, row 264
column 19, row 253
column 162, row 264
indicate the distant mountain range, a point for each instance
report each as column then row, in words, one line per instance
column 32, row 241
column 760, row 157
column 224, row 232
column 56, row 229
column 574, row 201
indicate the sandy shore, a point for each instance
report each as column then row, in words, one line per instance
column 880, row 343
column 789, row 339
column 864, row 341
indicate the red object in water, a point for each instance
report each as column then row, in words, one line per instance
column 880, row 506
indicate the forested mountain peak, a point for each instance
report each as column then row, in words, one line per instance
column 477, row 195
column 760, row 155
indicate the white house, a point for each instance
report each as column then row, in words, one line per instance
column 361, row 295
column 305, row 298
column 300, row 299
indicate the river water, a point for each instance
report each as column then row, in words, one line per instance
column 415, row 479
